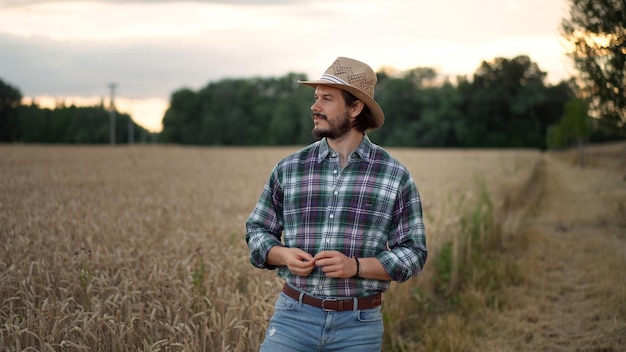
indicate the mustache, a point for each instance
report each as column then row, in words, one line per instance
column 319, row 115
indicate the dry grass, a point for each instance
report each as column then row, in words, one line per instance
column 142, row 248
column 574, row 258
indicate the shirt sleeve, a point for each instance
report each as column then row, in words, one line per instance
column 265, row 224
column 407, row 242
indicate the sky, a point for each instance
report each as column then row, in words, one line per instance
column 71, row 51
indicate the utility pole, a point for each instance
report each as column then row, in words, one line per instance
column 112, row 114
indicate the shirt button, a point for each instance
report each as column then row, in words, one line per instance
column 335, row 192
column 332, row 216
column 334, row 171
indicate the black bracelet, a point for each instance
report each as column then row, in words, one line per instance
column 358, row 267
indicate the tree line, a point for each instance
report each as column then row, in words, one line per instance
column 63, row 124
column 506, row 104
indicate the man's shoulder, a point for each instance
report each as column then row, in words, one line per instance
column 383, row 157
column 379, row 153
column 304, row 154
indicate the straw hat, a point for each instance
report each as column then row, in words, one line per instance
column 356, row 78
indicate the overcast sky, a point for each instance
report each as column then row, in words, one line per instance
column 72, row 50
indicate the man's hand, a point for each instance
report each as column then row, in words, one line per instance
column 336, row 264
column 296, row 260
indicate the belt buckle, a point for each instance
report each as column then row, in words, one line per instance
column 329, row 300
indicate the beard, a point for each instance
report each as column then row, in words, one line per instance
column 339, row 127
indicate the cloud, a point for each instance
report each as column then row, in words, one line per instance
column 152, row 48
column 41, row 66
column 45, row 67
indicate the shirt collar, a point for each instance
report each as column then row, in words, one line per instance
column 364, row 149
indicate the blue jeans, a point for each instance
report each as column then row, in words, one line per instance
column 300, row 327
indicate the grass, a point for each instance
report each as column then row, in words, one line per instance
column 85, row 278
column 465, row 278
column 468, row 274
column 198, row 273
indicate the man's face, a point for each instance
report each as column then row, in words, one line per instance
column 330, row 113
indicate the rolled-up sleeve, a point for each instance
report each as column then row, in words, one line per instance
column 407, row 243
column 264, row 226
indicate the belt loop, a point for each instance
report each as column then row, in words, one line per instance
column 300, row 298
column 355, row 304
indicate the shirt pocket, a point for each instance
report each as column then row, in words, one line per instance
column 372, row 212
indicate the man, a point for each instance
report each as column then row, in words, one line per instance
column 350, row 217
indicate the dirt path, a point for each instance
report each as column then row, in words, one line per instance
column 574, row 298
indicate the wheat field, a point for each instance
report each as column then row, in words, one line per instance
column 142, row 248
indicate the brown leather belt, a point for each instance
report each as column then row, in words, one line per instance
column 332, row 304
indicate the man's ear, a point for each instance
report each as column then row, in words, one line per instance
column 356, row 108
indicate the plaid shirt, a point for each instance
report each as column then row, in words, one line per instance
column 371, row 208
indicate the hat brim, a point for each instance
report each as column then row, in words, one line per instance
column 377, row 112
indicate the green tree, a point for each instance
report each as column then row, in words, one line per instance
column 241, row 112
column 178, row 123
column 573, row 125
column 440, row 112
column 596, row 32
column 290, row 121
column 10, row 100
column 573, row 128
column 503, row 106
column 399, row 97
column 73, row 125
